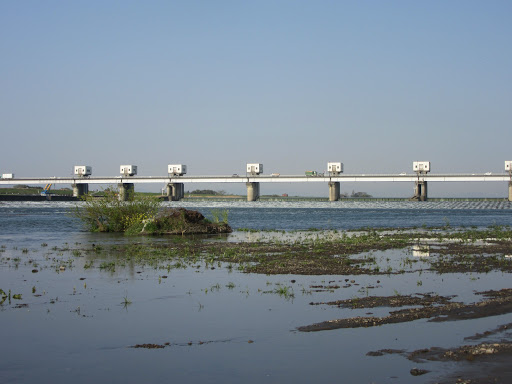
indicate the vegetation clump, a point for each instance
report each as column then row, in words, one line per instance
column 143, row 215
column 110, row 214
column 206, row 192
column 180, row 221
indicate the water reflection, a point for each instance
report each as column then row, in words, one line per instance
column 421, row 250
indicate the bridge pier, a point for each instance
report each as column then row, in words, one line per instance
column 510, row 191
column 80, row 189
column 126, row 191
column 420, row 191
column 175, row 191
column 253, row 191
column 334, row 190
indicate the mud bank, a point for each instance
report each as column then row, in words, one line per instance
column 483, row 363
column 434, row 308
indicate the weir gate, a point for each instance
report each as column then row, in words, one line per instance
column 175, row 184
column 254, row 177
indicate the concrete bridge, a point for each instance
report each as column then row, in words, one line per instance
column 176, row 179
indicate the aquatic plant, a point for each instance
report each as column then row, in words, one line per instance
column 126, row 302
column 111, row 266
column 109, row 214
column 218, row 213
column 284, row 291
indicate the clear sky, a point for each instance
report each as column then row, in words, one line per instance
column 290, row 84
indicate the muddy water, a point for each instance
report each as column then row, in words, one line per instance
column 78, row 321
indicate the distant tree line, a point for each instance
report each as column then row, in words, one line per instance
column 356, row 194
column 24, row 186
column 209, row 192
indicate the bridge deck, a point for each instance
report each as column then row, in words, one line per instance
column 259, row 179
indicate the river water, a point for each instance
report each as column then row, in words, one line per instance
column 223, row 326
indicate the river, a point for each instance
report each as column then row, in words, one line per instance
column 77, row 322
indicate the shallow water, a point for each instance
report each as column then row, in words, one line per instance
column 223, row 326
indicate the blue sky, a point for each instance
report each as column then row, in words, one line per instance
column 290, row 84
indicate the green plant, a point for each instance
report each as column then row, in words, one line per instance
column 225, row 213
column 126, row 302
column 109, row 214
column 285, row 292
column 218, row 213
column 111, row 266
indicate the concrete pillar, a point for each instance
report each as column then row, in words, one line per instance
column 175, row 191
column 126, row 191
column 510, row 191
column 334, row 190
column 253, row 191
column 416, row 192
column 423, row 194
column 420, row 191
column 80, row 189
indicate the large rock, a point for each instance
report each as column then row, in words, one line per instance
column 178, row 213
column 183, row 221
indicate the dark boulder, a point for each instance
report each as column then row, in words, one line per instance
column 183, row 221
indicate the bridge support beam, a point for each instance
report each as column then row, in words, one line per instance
column 253, row 191
column 126, row 191
column 175, row 191
column 510, row 191
column 80, row 189
column 334, row 190
column 420, row 191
